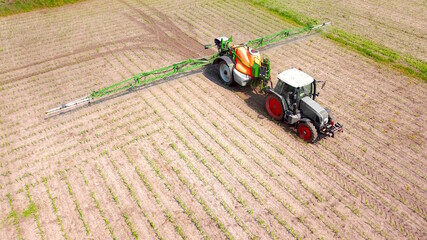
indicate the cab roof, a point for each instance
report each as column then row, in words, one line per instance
column 295, row 78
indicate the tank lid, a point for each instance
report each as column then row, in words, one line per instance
column 253, row 52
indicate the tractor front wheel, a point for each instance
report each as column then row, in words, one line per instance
column 274, row 107
column 307, row 131
column 225, row 73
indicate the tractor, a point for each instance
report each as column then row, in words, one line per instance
column 291, row 101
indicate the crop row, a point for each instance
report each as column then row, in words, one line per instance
column 127, row 219
column 14, row 216
column 98, row 205
column 55, row 208
column 32, row 209
column 194, row 193
column 77, row 205
column 345, row 186
column 228, row 187
column 147, row 184
column 97, row 145
column 134, row 195
column 379, row 138
column 281, row 138
column 211, row 10
column 203, row 180
column 169, row 187
column 136, row 137
column 46, row 29
column 355, row 94
column 181, row 203
column 220, row 179
column 237, row 159
column 307, row 157
column 388, row 188
column 264, row 184
column 318, row 196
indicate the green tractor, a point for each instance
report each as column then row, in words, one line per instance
column 292, row 100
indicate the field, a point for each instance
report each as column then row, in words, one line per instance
column 190, row 157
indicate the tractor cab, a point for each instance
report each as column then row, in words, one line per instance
column 292, row 100
column 293, row 85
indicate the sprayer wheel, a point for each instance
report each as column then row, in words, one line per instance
column 225, row 73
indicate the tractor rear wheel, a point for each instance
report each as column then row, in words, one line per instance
column 307, row 131
column 274, row 107
column 225, row 73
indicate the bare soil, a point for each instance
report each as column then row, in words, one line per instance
column 190, row 157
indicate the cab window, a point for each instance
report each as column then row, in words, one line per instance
column 288, row 89
column 279, row 86
column 305, row 91
column 288, row 92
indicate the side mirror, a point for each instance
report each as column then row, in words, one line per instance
column 320, row 81
column 323, row 85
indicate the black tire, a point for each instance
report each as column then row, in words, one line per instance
column 307, row 132
column 225, row 73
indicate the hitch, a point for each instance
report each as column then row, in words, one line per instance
column 330, row 130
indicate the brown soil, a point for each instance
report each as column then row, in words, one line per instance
column 190, row 156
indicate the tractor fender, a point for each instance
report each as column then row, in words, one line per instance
column 282, row 100
column 305, row 120
column 226, row 59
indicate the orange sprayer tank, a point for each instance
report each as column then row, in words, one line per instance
column 245, row 59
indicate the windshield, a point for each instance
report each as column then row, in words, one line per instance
column 305, row 91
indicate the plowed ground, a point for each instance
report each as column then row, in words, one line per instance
column 189, row 157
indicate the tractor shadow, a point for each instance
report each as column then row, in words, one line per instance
column 252, row 97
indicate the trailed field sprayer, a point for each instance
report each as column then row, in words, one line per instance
column 291, row 101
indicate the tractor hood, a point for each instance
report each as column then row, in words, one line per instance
column 316, row 113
